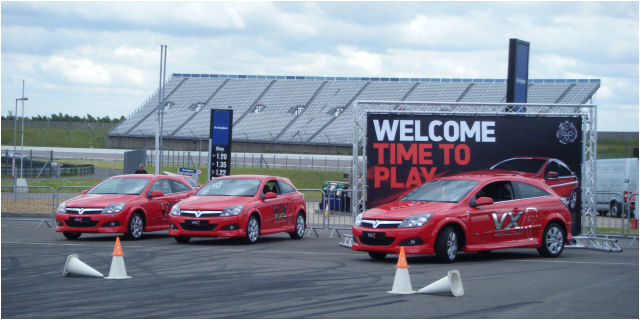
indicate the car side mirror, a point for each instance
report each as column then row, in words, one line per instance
column 552, row 175
column 156, row 193
column 83, row 192
column 270, row 195
column 483, row 201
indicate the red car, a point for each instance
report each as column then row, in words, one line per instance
column 553, row 172
column 240, row 206
column 129, row 204
column 467, row 212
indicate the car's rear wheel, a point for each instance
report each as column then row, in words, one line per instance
column 182, row 239
column 615, row 209
column 377, row 255
column 298, row 233
column 447, row 245
column 135, row 227
column 552, row 240
column 252, row 230
column 71, row 235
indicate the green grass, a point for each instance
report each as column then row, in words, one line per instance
column 616, row 148
column 57, row 137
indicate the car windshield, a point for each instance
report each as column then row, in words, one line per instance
column 230, row 187
column 442, row 191
column 120, row 186
column 521, row 165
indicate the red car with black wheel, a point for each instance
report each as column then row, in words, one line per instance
column 129, row 204
column 243, row 206
column 470, row 213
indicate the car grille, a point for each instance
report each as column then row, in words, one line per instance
column 84, row 210
column 380, row 224
column 85, row 223
column 200, row 213
column 377, row 241
column 202, row 225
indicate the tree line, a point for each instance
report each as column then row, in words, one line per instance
column 68, row 118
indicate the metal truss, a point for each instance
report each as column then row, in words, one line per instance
column 587, row 112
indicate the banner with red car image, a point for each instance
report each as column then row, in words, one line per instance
column 405, row 151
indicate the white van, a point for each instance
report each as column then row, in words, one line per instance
column 616, row 180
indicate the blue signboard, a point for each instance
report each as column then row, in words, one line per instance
column 220, row 147
column 518, row 73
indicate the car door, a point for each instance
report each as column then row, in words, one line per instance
column 535, row 203
column 158, row 208
column 270, row 208
column 495, row 223
column 288, row 194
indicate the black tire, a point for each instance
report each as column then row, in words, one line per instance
column 615, row 209
column 182, row 239
column 377, row 255
column 252, row 230
column 573, row 199
column 135, row 227
column 71, row 235
column 298, row 233
column 447, row 245
column 553, row 240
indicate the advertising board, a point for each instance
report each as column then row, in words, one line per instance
column 406, row 150
column 220, row 143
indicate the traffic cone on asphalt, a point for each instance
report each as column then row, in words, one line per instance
column 117, row 271
column 402, row 282
column 75, row 267
column 450, row 284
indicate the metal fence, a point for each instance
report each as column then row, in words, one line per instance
column 23, row 201
column 623, row 224
column 328, row 210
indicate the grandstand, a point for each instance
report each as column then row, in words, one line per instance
column 302, row 113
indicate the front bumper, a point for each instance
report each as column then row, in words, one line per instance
column 91, row 223
column 206, row 227
column 414, row 240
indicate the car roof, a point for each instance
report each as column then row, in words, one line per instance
column 487, row 177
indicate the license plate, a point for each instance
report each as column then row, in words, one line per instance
column 77, row 219
column 195, row 222
column 371, row 235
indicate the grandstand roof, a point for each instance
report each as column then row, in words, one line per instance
column 315, row 110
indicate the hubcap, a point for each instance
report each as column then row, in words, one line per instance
column 554, row 240
column 452, row 245
column 136, row 226
column 252, row 229
column 300, row 225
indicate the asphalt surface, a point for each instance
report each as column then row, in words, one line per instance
column 308, row 278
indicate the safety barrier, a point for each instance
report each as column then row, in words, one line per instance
column 323, row 214
column 616, row 224
column 19, row 202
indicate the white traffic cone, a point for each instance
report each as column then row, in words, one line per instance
column 117, row 271
column 402, row 282
column 75, row 267
column 451, row 284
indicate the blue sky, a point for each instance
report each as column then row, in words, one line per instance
column 102, row 57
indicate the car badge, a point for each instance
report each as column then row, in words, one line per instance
column 567, row 132
column 81, row 211
column 198, row 213
column 376, row 224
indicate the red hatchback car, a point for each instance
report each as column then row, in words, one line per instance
column 129, row 204
column 240, row 206
column 469, row 213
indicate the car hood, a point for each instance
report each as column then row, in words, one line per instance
column 98, row 200
column 398, row 210
column 212, row 202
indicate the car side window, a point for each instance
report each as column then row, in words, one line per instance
column 270, row 186
column 498, row 191
column 179, row 186
column 564, row 171
column 526, row 191
column 552, row 167
column 162, row 185
column 285, row 187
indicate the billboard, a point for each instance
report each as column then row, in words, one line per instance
column 220, row 145
column 405, row 150
column 518, row 73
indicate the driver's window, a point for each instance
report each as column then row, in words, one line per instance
column 498, row 191
column 161, row 185
column 270, row 186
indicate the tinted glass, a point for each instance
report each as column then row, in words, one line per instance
column 525, row 190
column 442, row 191
column 521, row 165
column 285, row 187
column 230, row 187
column 498, row 191
column 120, row 186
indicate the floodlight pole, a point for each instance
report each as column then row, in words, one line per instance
column 160, row 98
column 22, row 133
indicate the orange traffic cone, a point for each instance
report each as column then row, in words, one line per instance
column 117, row 271
column 402, row 281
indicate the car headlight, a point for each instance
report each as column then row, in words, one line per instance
column 62, row 207
column 358, row 222
column 114, row 207
column 232, row 210
column 175, row 210
column 415, row 221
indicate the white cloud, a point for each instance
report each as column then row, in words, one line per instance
column 81, row 71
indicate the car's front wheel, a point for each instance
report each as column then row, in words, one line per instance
column 298, row 233
column 447, row 245
column 71, row 235
column 615, row 209
column 552, row 240
column 135, row 227
column 252, row 230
